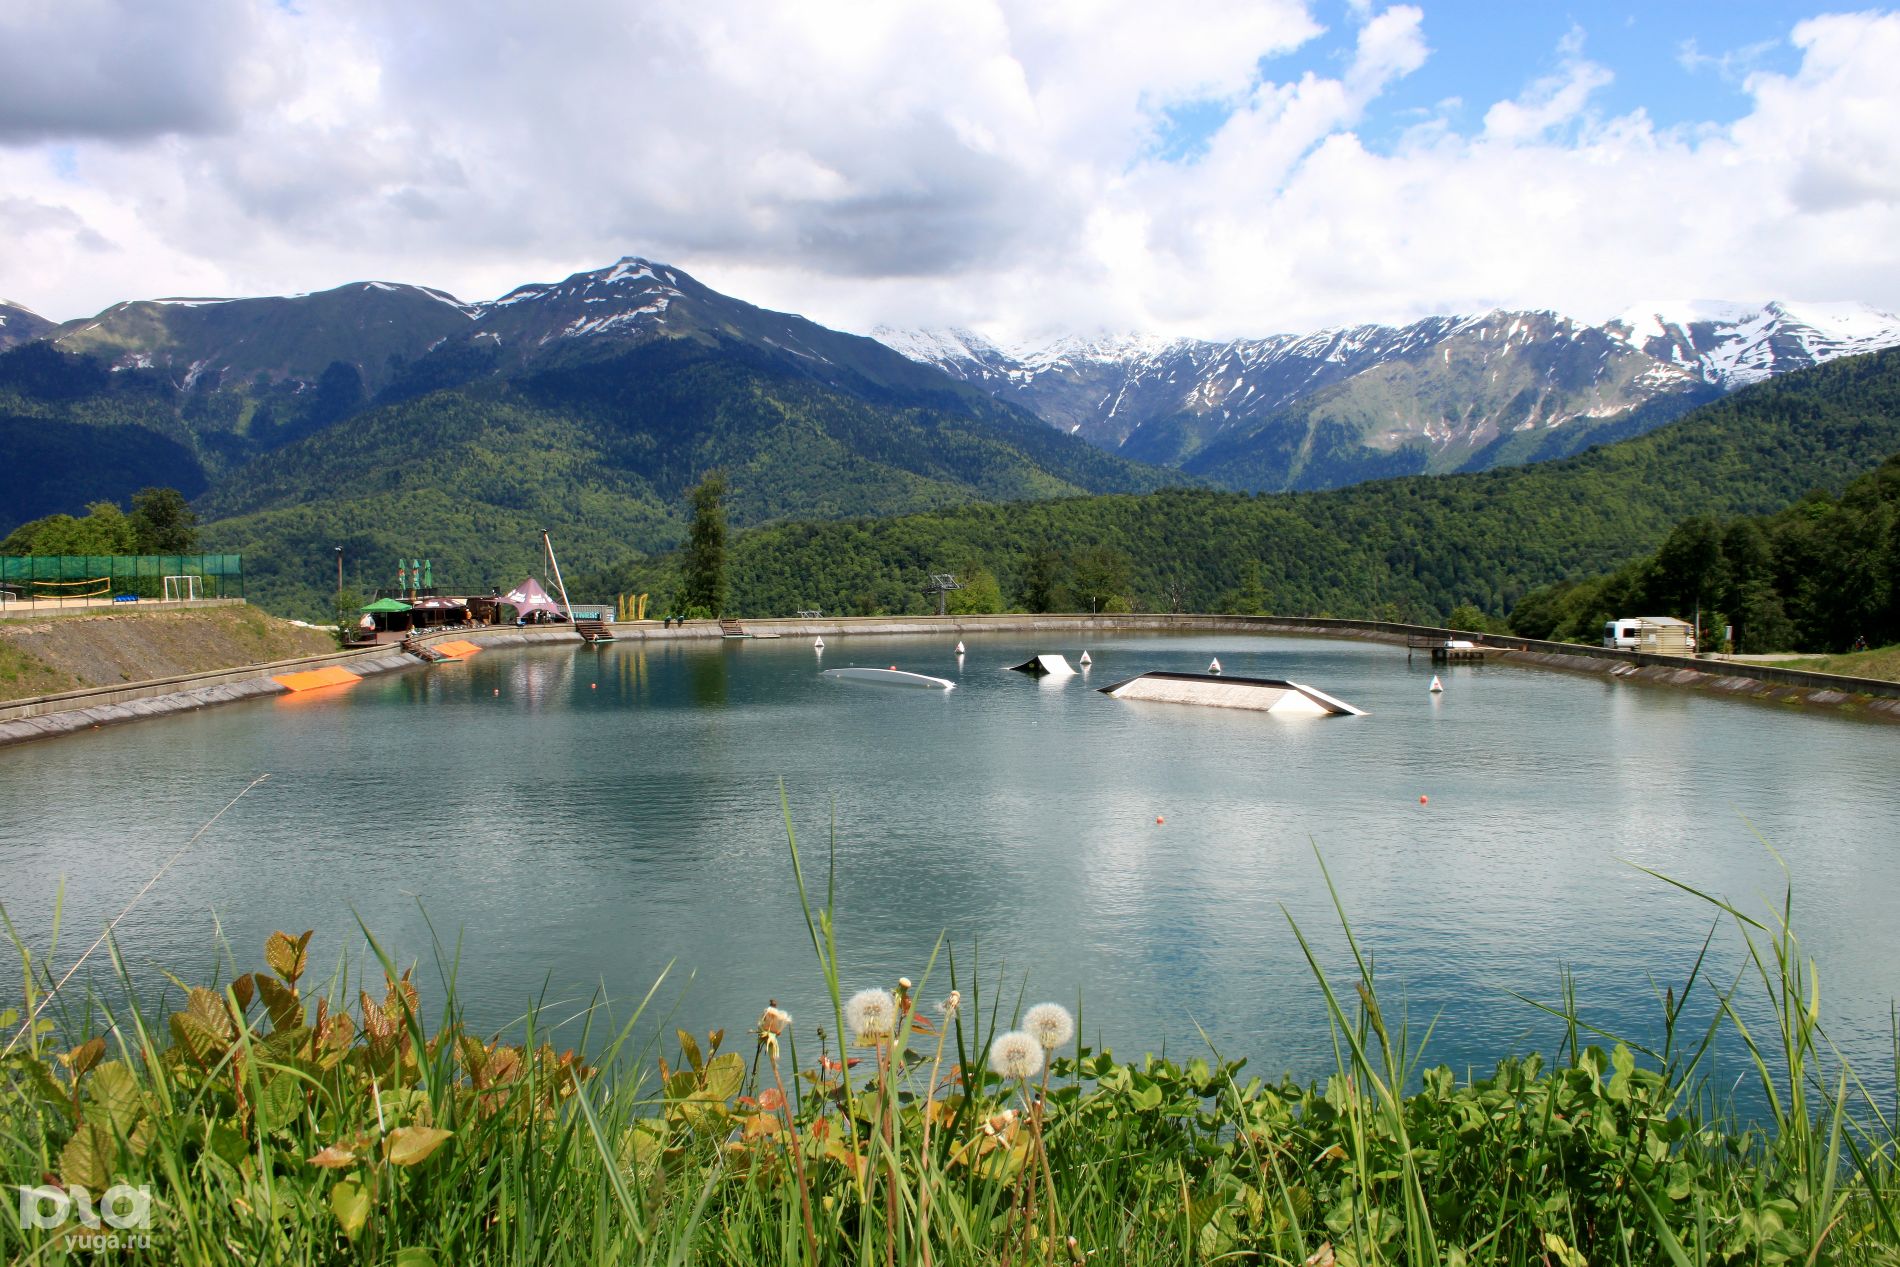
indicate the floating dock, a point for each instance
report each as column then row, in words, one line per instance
column 1258, row 694
column 1451, row 650
column 890, row 677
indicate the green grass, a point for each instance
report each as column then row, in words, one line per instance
column 1879, row 662
column 276, row 1119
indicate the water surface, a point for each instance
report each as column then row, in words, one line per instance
column 580, row 819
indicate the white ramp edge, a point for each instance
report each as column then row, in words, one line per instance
column 1046, row 666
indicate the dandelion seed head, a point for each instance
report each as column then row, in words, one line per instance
column 871, row 1016
column 774, row 1020
column 1016, row 1056
column 903, row 983
column 950, row 1005
column 1050, row 1023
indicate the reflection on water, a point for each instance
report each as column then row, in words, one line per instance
column 579, row 819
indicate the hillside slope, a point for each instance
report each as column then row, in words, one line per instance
column 1411, row 547
column 68, row 651
column 602, row 450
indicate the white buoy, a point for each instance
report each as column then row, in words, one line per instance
column 818, row 644
column 959, row 648
column 1213, row 666
column 1438, row 688
column 1085, row 658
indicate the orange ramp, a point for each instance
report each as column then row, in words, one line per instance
column 459, row 650
column 316, row 678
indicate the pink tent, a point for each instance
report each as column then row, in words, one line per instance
column 529, row 597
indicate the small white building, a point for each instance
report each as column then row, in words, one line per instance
column 1658, row 635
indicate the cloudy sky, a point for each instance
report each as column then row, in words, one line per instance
column 1219, row 168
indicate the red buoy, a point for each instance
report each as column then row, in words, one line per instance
column 1424, row 800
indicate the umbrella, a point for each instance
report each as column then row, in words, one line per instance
column 387, row 605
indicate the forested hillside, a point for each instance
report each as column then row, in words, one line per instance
column 1818, row 576
column 1410, row 548
column 392, row 419
column 601, row 451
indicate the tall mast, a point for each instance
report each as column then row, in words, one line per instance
column 555, row 567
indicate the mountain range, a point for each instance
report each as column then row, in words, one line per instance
column 1441, row 394
column 397, row 419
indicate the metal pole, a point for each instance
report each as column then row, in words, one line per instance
column 339, row 578
column 555, row 567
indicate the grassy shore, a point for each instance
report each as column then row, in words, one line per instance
column 1879, row 662
column 273, row 1119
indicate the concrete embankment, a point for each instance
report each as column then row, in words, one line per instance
column 72, row 711
column 47, row 651
column 68, row 712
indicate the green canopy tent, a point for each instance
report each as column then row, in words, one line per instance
column 383, row 610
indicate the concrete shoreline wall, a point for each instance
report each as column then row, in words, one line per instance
column 48, row 715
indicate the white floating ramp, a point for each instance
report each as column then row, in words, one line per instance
column 1264, row 695
column 1045, row 666
column 890, row 677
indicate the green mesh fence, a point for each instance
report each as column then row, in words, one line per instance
column 99, row 578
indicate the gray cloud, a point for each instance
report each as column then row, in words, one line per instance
column 118, row 69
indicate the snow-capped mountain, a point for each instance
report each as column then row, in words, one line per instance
column 1444, row 393
column 387, row 333
column 1733, row 345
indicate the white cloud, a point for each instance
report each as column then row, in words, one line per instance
column 1553, row 100
column 985, row 162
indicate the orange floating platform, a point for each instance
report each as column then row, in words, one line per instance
column 315, row 678
column 459, row 650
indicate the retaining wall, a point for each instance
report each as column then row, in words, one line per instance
column 42, row 716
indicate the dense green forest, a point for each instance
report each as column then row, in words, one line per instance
column 602, row 451
column 160, row 523
column 1412, row 548
column 1820, row 575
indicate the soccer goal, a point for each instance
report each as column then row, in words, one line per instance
column 183, row 589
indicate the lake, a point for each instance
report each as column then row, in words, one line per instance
column 578, row 820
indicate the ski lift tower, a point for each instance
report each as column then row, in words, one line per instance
column 941, row 583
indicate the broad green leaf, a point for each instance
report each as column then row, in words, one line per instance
column 725, row 1075
column 114, row 1092
column 414, row 1256
column 691, row 1051
column 350, row 1203
column 87, row 1159
column 281, row 1103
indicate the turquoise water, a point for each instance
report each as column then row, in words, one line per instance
column 579, row 820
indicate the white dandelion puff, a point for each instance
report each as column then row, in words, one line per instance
column 1016, row 1056
column 871, row 1016
column 950, row 1005
column 1050, row 1024
column 775, row 1020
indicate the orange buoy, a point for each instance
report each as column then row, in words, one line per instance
column 1423, row 799
column 1159, row 820
column 593, row 686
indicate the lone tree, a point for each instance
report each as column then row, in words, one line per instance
column 163, row 522
column 703, row 566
